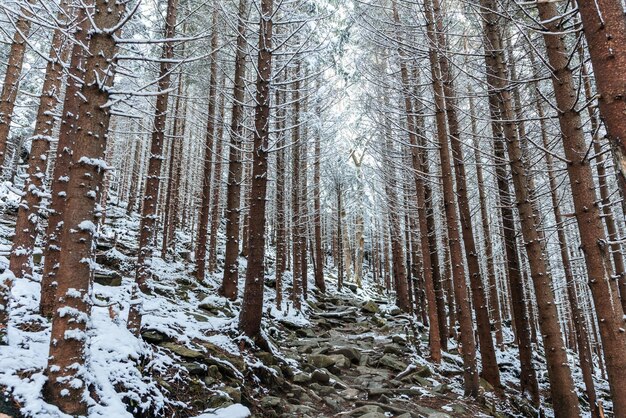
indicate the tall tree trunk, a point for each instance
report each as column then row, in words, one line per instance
column 490, row 371
column 470, row 372
column 494, row 304
column 593, row 239
column 252, row 304
column 10, row 86
column 209, row 155
column 89, row 120
column 147, row 226
column 296, row 193
column 604, row 27
column 217, row 185
column 317, row 211
column 281, row 220
column 233, row 188
column 27, row 225
column 564, row 398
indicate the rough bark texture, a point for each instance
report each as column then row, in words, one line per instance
column 209, row 156
column 233, row 188
column 604, row 27
column 217, row 186
column 468, row 343
column 593, row 239
column 490, row 371
column 65, row 386
column 317, row 214
column 281, row 219
column 252, row 304
column 27, row 225
column 11, row 83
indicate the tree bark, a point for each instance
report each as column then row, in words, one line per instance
column 209, row 155
column 233, row 188
column 27, row 226
column 604, row 27
column 10, row 86
column 593, row 239
column 89, row 123
column 252, row 304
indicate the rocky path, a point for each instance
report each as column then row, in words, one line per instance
column 359, row 360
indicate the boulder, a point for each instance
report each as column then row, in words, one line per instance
column 352, row 354
column 195, row 369
column 392, row 362
column 234, row 393
column 270, row 402
column 302, row 378
column 365, row 409
column 340, row 361
column 183, row 351
column 321, row 361
column 154, row 336
column 320, row 376
column 370, row 307
column 107, row 278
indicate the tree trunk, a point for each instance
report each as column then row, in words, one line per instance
column 593, row 240
column 27, row 225
column 89, row 121
column 10, row 86
column 233, row 188
column 470, row 373
column 147, row 227
column 252, row 304
column 217, row 185
column 317, row 212
column 209, row 155
column 281, row 221
column 604, row 27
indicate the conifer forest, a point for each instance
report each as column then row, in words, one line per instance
column 312, row 208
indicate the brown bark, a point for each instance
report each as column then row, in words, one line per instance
column 252, row 304
column 605, row 193
column 233, row 192
column 317, row 213
column 593, row 239
column 490, row 371
column 297, row 220
column 281, row 220
column 10, row 86
column 494, row 305
column 604, row 27
column 468, row 343
column 217, row 186
column 564, row 398
column 87, row 133
column 418, row 160
column 27, row 225
column 147, row 226
column 578, row 318
column 209, row 155
column 173, row 181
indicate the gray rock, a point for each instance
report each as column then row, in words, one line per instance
column 373, row 415
column 234, row 393
column 183, row 351
column 320, row 376
column 302, row 378
column 270, row 402
column 195, row 369
column 365, row 409
column 107, row 278
column 340, row 361
column 321, row 361
column 351, row 353
column 392, row 362
column 154, row 336
column 371, row 307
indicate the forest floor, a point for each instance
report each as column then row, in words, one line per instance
column 347, row 353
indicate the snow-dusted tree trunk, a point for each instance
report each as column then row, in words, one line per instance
column 205, row 205
column 27, row 226
column 147, row 226
column 233, row 188
column 593, row 238
column 88, row 120
column 252, row 304
column 12, row 78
